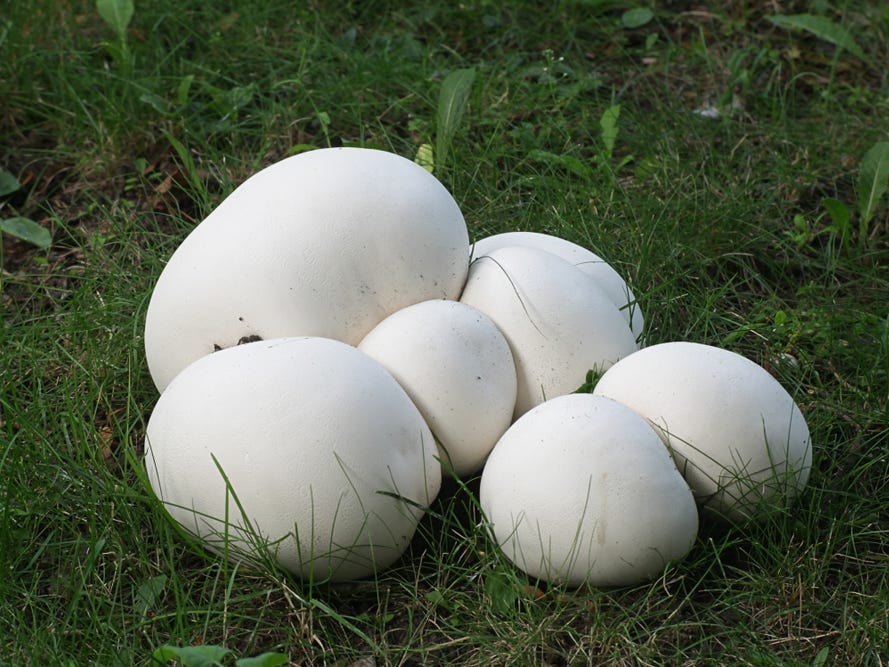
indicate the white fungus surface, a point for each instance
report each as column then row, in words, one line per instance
column 327, row 455
column 587, row 261
column 274, row 436
column 738, row 437
column 557, row 320
column 457, row 367
column 325, row 243
column 580, row 490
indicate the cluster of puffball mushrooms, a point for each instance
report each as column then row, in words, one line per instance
column 328, row 345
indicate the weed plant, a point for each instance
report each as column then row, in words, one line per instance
column 710, row 152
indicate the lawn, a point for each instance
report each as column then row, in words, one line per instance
column 719, row 155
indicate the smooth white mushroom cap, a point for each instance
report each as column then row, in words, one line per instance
column 327, row 455
column 325, row 243
column 587, row 261
column 738, row 437
column 557, row 320
column 457, row 367
column 581, row 490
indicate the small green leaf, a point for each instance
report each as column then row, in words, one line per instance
column 118, row 51
column 183, row 89
column 8, row 183
column 646, row 168
column 263, row 660
column 301, row 148
column 501, row 588
column 820, row 26
column 187, row 162
column 27, row 230
column 435, row 598
column 873, row 180
column 156, row 102
column 425, row 158
column 592, row 379
column 452, row 99
column 191, row 656
column 568, row 162
column 608, row 123
column 149, row 593
column 821, row 657
column 117, row 14
column 636, row 18
column 839, row 216
column 238, row 97
column 323, row 119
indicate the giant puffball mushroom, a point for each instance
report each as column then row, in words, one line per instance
column 457, row 367
column 320, row 447
column 325, row 243
column 558, row 322
column 738, row 437
column 580, row 490
column 587, row 261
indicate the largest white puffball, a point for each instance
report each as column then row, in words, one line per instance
column 325, row 243
column 302, row 448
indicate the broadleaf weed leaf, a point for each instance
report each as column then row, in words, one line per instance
column 269, row 659
column 636, row 17
column 27, row 230
column 205, row 655
column 822, row 28
column 873, row 180
column 608, row 123
column 8, row 183
column 839, row 217
column 117, row 14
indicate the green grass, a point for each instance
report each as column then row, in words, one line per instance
column 717, row 223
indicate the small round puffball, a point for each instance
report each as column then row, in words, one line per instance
column 320, row 447
column 580, row 490
column 736, row 434
column 558, row 322
column 457, row 367
column 587, row 261
column 325, row 243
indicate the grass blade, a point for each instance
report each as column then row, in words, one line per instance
column 822, row 27
column 452, row 100
column 873, row 180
